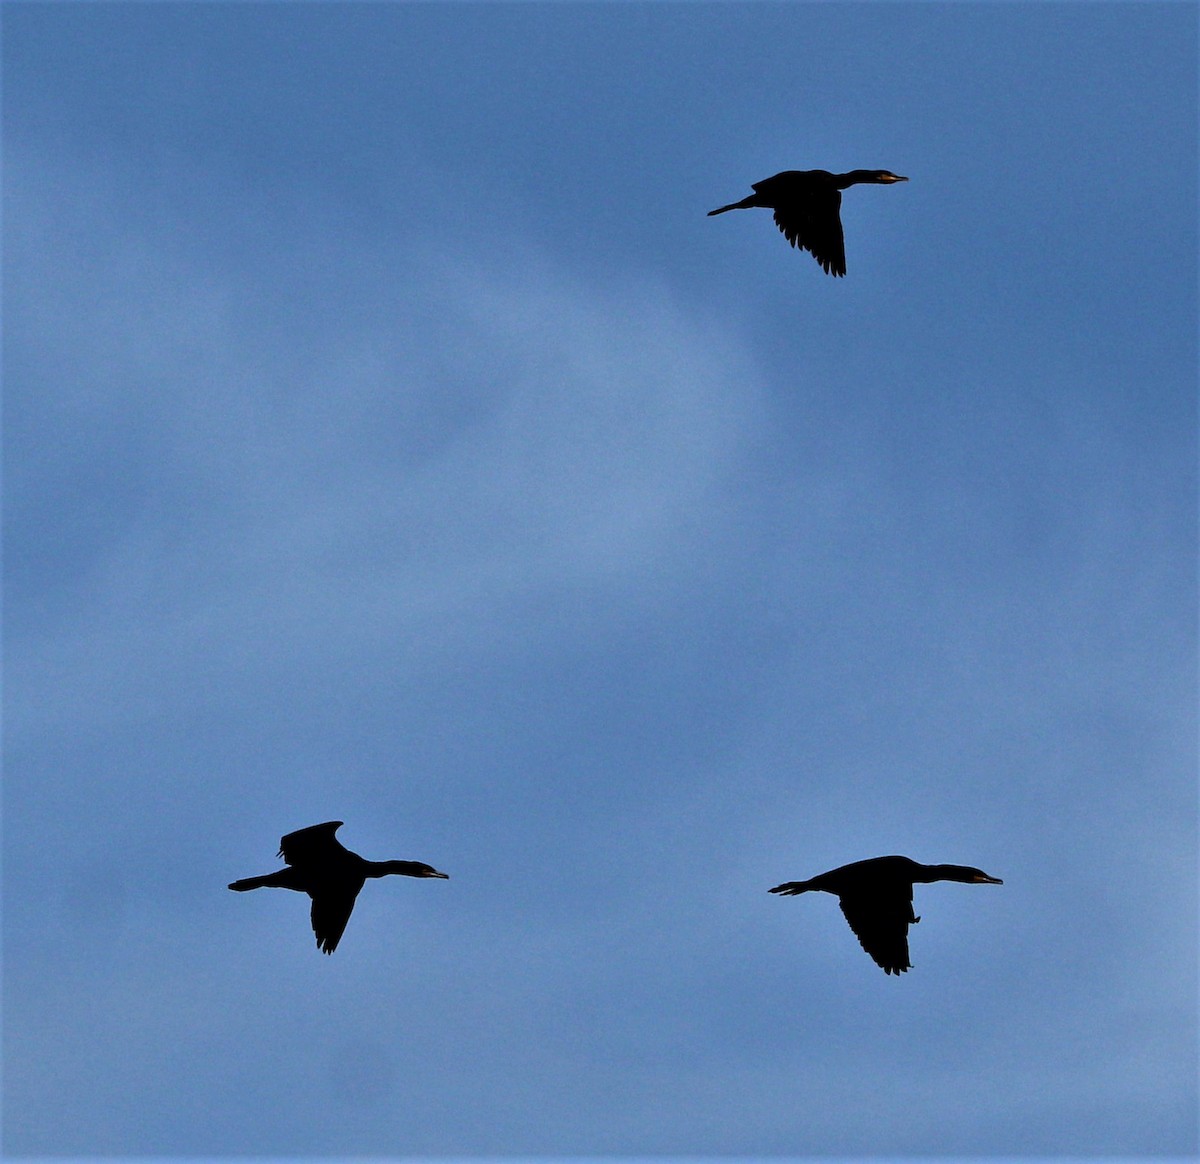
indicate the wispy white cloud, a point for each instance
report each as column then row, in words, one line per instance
column 350, row 471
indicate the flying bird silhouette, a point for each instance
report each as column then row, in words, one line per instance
column 806, row 205
column 319, row 865
column 876, row 897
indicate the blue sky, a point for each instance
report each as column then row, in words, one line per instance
column 391, row 438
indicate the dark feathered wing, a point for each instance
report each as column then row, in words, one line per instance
column 814, row 225
column 330, row 913
column 313, row 844
column 880, row 922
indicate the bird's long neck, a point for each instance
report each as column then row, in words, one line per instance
column 383, row 868
column 853, row 178
column 927, row 873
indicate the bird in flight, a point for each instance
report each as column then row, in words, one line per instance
column 806, row 205
column 876, row 897
column 319, row 865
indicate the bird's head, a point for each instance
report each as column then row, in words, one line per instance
column 979, row 877
column 857, row 177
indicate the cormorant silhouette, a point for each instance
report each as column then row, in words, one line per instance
column 876, row 897
column 806, row 205
column 319, row 865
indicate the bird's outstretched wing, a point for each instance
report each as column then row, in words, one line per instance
column 881, row 925
column 314, row 843
column 814, row 225
column 330, row 913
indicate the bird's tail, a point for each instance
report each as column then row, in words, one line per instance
column 790, row 888
column 745, row 204
column 273, row 880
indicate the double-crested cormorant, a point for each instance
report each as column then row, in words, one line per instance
column 319, row 865
column 806, row 205
column 876, row 897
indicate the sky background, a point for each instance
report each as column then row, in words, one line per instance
column 391, row 438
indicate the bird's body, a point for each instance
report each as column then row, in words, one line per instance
column 319, row 865
column 807, row 205
column 876, row 897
